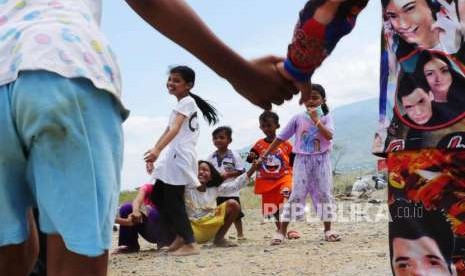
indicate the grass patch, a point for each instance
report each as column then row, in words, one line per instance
column 127, row 196
column 342, row 184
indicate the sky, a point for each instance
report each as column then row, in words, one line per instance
column 253, row 28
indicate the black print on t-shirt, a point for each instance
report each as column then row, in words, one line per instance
column 193, row 123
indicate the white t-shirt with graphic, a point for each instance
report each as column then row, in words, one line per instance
column 232, row 161
column 177, row 164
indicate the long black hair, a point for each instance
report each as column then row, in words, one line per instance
column 458, row 80
column 318, row 88
column 216, row 178
column 209, row 112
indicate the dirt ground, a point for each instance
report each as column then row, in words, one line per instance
column 363, row 250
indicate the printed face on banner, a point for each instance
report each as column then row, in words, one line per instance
column 422, row 73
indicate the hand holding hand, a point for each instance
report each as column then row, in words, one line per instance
column 136, row 217
column 252, row 156
column 286, row 192
column 305, row 88
column 262, row 84
column 257, row 163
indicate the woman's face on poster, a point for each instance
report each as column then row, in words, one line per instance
column 439, row 78
column 411, row 20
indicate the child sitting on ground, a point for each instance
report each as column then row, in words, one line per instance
column 209, row 221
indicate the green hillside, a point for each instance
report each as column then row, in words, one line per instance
column 355, row 124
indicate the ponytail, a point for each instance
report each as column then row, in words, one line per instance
column 325, row 108
column 209, row 112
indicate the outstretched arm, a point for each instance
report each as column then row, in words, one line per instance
column 151, row 155
column 322, row 23
column 258, row 81
column 241, row 181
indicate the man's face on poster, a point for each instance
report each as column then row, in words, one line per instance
column 418, row 107
column 412, row 20
column 418, row 257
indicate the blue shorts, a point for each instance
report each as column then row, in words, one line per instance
column 61, row 146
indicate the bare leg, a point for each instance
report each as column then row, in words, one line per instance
column 283, row 227
column 19, row 259
column 232, row 212
column 327, row 225
column 276, row 221
column 62, row 262
column 238, row 226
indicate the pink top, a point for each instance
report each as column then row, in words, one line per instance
column 147, row 188
column 308, row 139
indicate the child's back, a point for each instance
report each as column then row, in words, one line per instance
column 62, row 37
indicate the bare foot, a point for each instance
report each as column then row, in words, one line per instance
column 224, row 243
column 186, row 250
column 176, row 244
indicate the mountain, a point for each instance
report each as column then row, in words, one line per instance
column 354, row 125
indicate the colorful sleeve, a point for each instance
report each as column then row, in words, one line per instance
column 288, row 130
column 321, row 24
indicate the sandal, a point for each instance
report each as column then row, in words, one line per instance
column 332, row 236
column 293, row 235
column 277, row 239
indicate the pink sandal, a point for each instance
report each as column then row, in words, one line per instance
column 293, row 235
column 332, row 236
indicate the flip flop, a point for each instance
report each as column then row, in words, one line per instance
column 293, row 235
column 277, row 239
column 332, row 236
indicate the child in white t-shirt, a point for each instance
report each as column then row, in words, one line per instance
column 230, row 165
column 177, row 167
